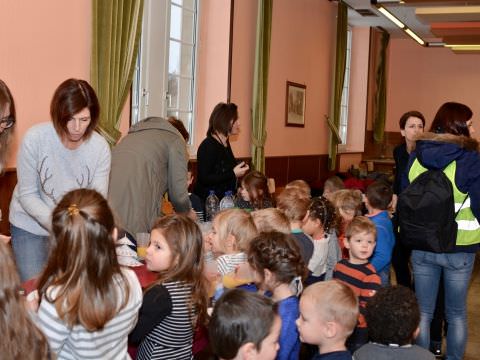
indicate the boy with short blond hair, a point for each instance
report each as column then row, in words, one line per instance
column 358, row 273
column 294, row 203
column 328, row 315
column 301, row 185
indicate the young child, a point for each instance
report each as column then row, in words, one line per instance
column 21, row 339
column 279, row 268
column 177, row 302
column 348, row 204
column 245, row 325
column 301, row 185
column 332, row 185
column 271, row 219
column 358, row 273
column 320, row 223
column 393, row 317
column 294, row 204
column 377, row 201
column 232, row 231
column 253, row 193
column 89, row 303
column 328, row 314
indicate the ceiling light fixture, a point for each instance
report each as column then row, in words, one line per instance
column 391, row 17
column 414, row 36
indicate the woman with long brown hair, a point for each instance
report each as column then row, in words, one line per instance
column 7, row 120
column 89, row 303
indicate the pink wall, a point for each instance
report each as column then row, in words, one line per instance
column 212, row 66
column 43, row 43
column 424, row 78
column 302, row 51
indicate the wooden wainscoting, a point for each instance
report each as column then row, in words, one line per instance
column 7, row 183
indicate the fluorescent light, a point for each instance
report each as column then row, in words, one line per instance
column 391, row 17
column 463, row 47
column 415, row 36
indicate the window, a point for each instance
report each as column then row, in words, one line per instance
column 164, row 79
column 345, row 92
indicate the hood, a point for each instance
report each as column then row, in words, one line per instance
column 436, row 151
column 156, row 123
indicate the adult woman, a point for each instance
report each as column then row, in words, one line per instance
column 449, row 141
column 7, row 122
column 217, row 168
column 54, row 158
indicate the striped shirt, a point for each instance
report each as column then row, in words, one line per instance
column 77, row 342
column 172, row 337
column 362, row 279
column 228, row 263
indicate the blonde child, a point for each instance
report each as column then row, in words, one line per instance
column 358, row 273
column 332, row 185
column 348, row 204
column 301, row 185
column 328, row 314
column 21, row 339
column 244, row 326
column 279, row 269
column 320, row 223
column 271, row 219
column 253, row 193
column 177, row 302
column 232, row 231
column 89, row 303
column 294, row 204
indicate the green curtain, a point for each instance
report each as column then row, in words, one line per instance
column 340, row 60
column 116, row 32
column 381, row 93
column 260, row 84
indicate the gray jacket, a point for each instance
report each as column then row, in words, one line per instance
column 148, row 162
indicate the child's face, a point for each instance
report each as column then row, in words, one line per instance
column 214, row 238
column 309, row 323
column 244, row 193
column 269, row 346
column 360, row 246
column 346, row 213
column 311, row 226
column 159, row 256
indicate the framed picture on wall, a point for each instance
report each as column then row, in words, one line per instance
column 295, row 104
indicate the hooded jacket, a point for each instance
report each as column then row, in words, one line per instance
column 436, row 151
column 150, row 161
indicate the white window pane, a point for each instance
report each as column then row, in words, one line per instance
column 188, row 27
column 187, row 61
column 175, row 22
column 174, row 58
column 189, row 4
column 184, row 95
column 173, row 89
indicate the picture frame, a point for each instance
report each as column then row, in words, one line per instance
column 295, row 104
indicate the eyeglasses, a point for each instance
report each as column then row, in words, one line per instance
column 7, row 122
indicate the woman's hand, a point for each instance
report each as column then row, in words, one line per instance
column 241, row 169
column 5, row 239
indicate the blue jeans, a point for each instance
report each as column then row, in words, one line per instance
column 31, row 252
column 457, row 270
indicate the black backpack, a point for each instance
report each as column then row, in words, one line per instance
column 426, row 213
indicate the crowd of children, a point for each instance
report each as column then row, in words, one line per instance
column 310, row 273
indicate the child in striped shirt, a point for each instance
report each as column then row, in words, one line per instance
column 177, row 302
column 89, row 302
column 358, row 273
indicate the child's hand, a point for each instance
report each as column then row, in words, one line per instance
column 5, row 239
column 32, row 301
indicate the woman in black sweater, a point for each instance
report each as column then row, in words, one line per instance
column 217, row 168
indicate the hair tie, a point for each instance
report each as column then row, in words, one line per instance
column 296, row 285
column 73, row 210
